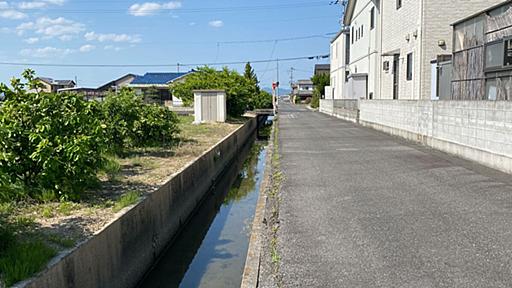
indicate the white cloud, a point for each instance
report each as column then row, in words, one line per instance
column 32, row 5
column 192, row 24
column 46, row 52
column 87, row 48
column 38, row 4
column 111, row 37
column 112, row 48
column 151, row 8
column 65, row 37
column 12, row 14
column 216, row 23
column 31, row 40
column 8, row 13
column 55, row 2
column 48, row 27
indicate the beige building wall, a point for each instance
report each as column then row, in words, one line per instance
column 424, row 23
column 438, row 27
column 397, row 26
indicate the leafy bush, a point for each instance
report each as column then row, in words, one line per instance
column 120, row 112
column 48, row 141
column 132, row 123
column 315, row 101
column 262, row 100
column 240, row 90
column 157, row 126
column 320, row 81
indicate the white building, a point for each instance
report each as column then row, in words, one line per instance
column 362, row 18
column 339, row 61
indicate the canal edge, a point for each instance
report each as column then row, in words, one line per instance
column 251, row 273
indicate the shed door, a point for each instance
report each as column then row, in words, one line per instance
column 209, row 104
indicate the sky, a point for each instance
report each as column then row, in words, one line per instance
column 123, row 32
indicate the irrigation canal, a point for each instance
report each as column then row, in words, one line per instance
column 212, row 248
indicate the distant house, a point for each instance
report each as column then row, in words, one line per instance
column 324, row 69
column 88, row 93
column 100, row 92
column 50, row 85
column 302, row 90
column 116, row 85
column 156, row 86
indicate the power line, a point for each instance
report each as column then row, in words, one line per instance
column 271, row 55
column 235, row 42
column 318, row 57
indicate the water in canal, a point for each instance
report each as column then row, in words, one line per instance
column 211, row 250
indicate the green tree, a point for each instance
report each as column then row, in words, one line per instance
column 320, row 81
column 240, row 91
column 250, row 75
column 48, row 141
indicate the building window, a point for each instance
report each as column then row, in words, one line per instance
column 353, row 35
column 372, row 18
column 398, row 4
column 362, row 31
column 347, row 50
column 409, row 66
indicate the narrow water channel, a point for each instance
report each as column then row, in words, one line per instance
column 211, row 250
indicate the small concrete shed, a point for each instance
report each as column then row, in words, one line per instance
column 209, row 106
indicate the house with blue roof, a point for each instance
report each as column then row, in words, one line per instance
column 155, row 86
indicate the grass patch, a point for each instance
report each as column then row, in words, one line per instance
column 111, row 168
column 61, row 241
column 273, row 193
column 47, row 212
column 22, row 259
column 126, row 200
column 66, row 208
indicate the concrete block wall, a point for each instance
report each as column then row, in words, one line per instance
column 480, row 131
column 119, row 255
column 326, row 106
column 346, row 109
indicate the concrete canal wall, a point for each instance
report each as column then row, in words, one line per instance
column 121, row 253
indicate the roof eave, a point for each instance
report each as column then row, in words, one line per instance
column 347, row 18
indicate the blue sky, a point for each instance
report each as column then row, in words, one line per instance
column 188, row 31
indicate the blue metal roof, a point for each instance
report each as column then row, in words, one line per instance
column 157, row 78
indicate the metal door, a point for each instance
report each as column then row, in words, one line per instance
column 396, row 75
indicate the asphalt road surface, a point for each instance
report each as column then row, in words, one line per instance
column 363, row 209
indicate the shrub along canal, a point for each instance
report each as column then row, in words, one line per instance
column 212, row 248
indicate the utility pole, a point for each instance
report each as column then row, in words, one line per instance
column 277, row 62
column 291, row 76
column 178, row 65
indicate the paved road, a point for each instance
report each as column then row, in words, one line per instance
column 363, row 209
